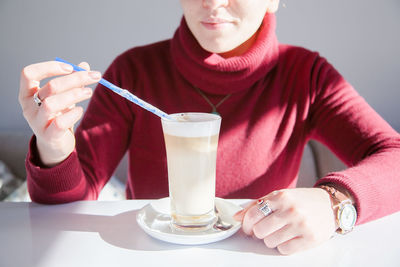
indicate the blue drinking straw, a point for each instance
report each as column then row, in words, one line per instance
column 125, row 93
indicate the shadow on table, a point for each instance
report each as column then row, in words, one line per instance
column 122, row 231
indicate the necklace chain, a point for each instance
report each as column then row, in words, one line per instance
column 214, row 107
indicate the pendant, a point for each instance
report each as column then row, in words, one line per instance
column 214, row 111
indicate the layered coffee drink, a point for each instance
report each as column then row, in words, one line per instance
column 191, row 145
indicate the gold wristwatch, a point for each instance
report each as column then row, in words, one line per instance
column 346, row 214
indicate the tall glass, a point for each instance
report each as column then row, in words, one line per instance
column 191, row 144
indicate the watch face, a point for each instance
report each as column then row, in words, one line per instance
column 347, row 217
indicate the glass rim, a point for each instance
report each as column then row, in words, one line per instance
column 212, row 116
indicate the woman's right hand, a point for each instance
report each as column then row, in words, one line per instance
column 52, row 122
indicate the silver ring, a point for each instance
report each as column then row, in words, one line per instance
column 264, row 207
column 37, row 99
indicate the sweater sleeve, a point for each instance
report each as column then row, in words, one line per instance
column 102, row 138
column 343, row 121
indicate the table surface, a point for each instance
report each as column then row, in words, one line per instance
column 96, row 233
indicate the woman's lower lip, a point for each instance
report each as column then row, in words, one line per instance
column 215, row 26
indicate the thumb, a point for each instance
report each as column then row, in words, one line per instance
column 84, row 65
column 238, row 216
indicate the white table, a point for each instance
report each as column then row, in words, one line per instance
column 95, row 233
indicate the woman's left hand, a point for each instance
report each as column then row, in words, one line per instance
column 301, row 218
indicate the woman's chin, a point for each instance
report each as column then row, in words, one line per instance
column 217, row 48
column 235, row 46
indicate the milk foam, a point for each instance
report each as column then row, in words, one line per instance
column 192, row 125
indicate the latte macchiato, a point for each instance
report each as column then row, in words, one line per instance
column 191, row 145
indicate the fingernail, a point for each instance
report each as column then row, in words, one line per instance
column 237, row 216
column 67, row 67
column 237, row 213
column 95, row 75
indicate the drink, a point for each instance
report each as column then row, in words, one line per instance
column 191, row 146
column 191, row 172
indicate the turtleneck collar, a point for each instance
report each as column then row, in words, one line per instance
column 217, row 75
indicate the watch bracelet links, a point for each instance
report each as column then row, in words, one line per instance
column 336, row 203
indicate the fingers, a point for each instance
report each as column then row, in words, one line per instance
column 253, row 215
column 57, row 112
column 84, row 65
column 64, row 122
column 240, row 214
column 293, row 245
column 280, row 236
column 55, row 104
column 270, row 224
column 275, row 230
column 301, row 218
column 59, row 93
column 32, row 75
column 64, row 83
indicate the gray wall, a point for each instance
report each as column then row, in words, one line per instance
column 360, row 37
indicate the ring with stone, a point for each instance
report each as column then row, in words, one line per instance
column 37, row 99
column 264, row 207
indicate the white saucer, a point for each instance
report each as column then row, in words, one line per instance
column 155, row 220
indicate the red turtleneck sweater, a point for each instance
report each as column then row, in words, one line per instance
column 281, row 96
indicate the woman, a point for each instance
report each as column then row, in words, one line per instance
column 273, row 98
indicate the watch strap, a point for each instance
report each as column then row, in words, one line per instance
column 338, row 201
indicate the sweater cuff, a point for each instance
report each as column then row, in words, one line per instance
column 60, row 178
